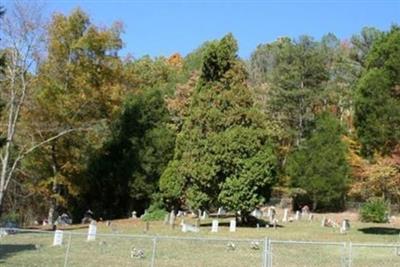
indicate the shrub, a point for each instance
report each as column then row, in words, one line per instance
column 155, row 215
column 375, row 210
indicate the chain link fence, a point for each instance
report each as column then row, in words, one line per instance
column 36, row 248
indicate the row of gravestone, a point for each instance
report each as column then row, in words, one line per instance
column 91, row 236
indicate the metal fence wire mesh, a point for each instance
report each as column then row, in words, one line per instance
column 35, row 248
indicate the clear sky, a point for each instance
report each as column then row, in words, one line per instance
column 165, row 27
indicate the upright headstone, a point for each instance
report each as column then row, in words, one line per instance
column 323, row 221
column 269, row 212
column 221, row 211
column 92, row 231
column 345, row 226
column 297, row 216
column 166, row 219
column 134, row 215
column 232, row 226
column 285, row 215
column 310, row 217
column 256, row 213
column 58, row 238
column 205, row 215
column 172, row 219
column 198, row 213
column 147, row 226
column 214, row 226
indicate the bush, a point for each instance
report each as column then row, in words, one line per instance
column 154, row 215
column 10, row 219
column 375, row 210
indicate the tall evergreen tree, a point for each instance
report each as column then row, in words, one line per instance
column 124, row 174
column 224, row 154
column 319, row 166
column 377, row 101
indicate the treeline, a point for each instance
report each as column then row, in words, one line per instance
column 83, row 128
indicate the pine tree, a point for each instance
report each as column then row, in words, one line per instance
column 224, row 154
column 319, row 166
column 377, row 100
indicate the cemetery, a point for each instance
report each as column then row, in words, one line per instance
column 216, row 240
column 200, row 133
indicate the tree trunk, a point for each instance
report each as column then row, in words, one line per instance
column 53, row 200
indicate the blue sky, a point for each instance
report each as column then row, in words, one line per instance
column 159, row 27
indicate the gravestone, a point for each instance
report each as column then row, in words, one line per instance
column 305, row 210
column 256, row 213
column 285, row 215
column 232, row 226
column 134, row 215
column 88, row 217
column 269, row 212
column 272, row 214
column 180, row 213
column 198, row 222
column 166, row 219
column 92, row 231
column 147, row 226
column 221, row 211
column 297, row 216
column 345, row 226
column 64, row 219
column 323, row 222
column 310, row 217
column 172, row 219
column 198, row 213
column 189, row 228
column 58, row 238
column 205, row 215
column 214, row 226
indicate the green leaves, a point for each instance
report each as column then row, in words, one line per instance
column 377, row 102
column 320, row 167
column 224, row 140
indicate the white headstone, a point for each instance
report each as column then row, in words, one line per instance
column 269, row 212
column 221, row 211
column 256, row 213
column 297, row 217
column 323, row 222
column 172, row 218
column 205, row 215
column 232, row 226
column 92, row 231
column 189, row 228
column 285, row 215
column 345, row 226
column 58, row 238
column 214, row 226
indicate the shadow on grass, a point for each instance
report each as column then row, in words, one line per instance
column 7, row 250
column 380, row 230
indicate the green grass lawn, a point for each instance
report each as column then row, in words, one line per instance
column 35, row 249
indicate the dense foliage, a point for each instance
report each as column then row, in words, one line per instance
column 375, row 210
column 319, row 166
column 316, row 120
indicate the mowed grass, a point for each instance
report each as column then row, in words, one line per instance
column 113, row 245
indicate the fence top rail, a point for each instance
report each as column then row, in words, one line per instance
column 311, row 242
column 166, row 237
column 390, row 245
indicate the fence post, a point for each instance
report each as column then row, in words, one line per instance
column 350, row 261
column 153, row 255
column 266, row 254
column 67, row 251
